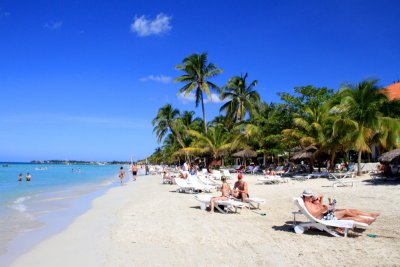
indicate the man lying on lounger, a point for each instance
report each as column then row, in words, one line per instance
column 314, row 205
column 240, row 189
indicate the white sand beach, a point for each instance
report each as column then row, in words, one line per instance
column 147, row 223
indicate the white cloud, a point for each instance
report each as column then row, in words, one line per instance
column 145, row 27
column 192, row 97
column 53, row 25
column 156, row 78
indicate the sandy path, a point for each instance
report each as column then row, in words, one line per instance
column 147, row 223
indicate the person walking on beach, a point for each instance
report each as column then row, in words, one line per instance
column 20, row 177
column 147, row 169
column 28, row 177
column 121, row 175
column 134, row 172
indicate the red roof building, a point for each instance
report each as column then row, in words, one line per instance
column 393, row 91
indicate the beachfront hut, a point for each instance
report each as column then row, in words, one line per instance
column 391, row 162
column 391, row 157
column 245, row 154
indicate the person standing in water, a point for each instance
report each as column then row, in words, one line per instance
column 134, row 172
column 121, row 174
column 20, row 177
column 28, row 177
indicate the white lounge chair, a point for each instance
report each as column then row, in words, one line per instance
column 340, row 179
column 329, row 226
column 165, row 181
column 227, row 174
column 255, row 202
column 207, row 180
column 193, row 181
column 184, row 187
column 229, row 205
column 216, row 174
column 255, row 169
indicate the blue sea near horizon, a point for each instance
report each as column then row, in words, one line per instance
column 53, row 197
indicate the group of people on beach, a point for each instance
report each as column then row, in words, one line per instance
column 27, row 177
column 240, row 191
column 134, row 170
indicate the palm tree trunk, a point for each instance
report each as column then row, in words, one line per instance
column 359, row 163
column 204, row 112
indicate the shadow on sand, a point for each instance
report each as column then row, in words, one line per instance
column 288, row 227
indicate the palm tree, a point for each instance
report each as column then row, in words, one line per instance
column 216, row 142
column 197, row 72
column 166, row 120
column 361, row 119
column 242, row 98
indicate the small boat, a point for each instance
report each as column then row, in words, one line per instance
column 41, row 169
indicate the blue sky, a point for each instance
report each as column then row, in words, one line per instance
column 83, row 79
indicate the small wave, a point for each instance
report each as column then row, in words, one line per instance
column 18, row 204
column 21, row 199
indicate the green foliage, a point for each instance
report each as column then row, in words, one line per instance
column 197, row 74
column 242, row 99
column 306, row 97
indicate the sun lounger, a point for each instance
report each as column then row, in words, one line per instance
column 207, row 180
column 216, row 174
column 318, row 175
column 329, row 226
column 193, row 181
column 165, row 181
column 229, row 205
column 340, row 179
column 255, row 202
column 227, row 174
column 184, row 187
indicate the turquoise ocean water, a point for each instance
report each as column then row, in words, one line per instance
column 32, row 211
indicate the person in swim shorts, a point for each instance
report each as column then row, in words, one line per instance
column 240, row 189
column 134, row 172
column 314, row 205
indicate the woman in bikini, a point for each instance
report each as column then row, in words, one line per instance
column 225, row 190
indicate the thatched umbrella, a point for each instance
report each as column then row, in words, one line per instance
column 302, row 155
column 390, row 156
column 247, row 153
column 311, row 149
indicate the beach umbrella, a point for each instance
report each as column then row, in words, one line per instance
column 247, row 153
column 390, row 157
column 302, row 155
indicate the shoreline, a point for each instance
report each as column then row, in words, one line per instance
column 60, row 210
column 145, row 222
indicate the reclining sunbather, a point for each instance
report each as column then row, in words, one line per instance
column 314, row 205
column 226, row 191
column 166, row 176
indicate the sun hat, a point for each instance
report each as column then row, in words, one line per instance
column 240, row 176
column 308, row 193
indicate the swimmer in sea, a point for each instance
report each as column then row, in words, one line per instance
column 28, row 177
column 20, row 177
